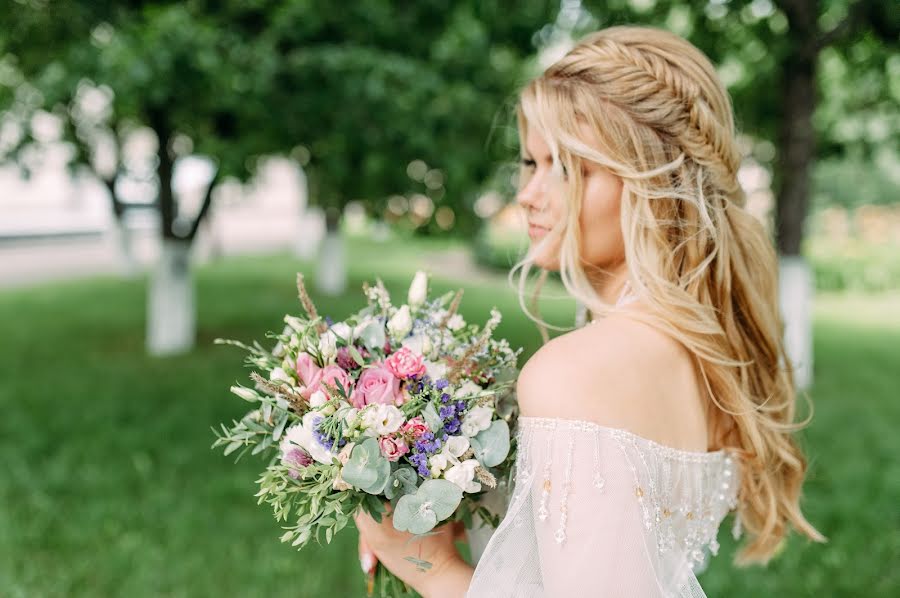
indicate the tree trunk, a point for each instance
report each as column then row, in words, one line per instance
column 796, row 292
column 796, row 152
column 331, row 275
column 119, row 234
column 171, row 315
column 171, row 319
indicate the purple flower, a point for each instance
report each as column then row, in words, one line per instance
column 295, row 459
column 441, row 384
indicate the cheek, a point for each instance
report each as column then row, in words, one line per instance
column 601, row 232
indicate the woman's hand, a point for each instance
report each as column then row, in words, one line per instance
column 449, row 575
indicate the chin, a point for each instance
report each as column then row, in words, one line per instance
column 547, row 263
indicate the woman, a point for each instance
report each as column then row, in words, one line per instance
column 641, row 431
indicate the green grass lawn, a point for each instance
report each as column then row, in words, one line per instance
column 108, row 486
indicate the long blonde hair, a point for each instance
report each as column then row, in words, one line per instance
column 705, row 267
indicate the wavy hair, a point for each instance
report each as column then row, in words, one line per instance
column 706, row 268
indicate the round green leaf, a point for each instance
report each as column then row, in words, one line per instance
column 401, row 482
column 367, row 469
column 491, row 446
column 434, row 501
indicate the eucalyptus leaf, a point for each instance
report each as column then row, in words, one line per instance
column 491, row 446
column 401, row 482
column 367, row 469
column 434, row 501
column 432, row 418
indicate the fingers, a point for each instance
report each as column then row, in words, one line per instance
column 367, row 559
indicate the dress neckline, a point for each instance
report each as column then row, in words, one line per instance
column 583, row 424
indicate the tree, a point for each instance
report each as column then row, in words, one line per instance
column 356, row 95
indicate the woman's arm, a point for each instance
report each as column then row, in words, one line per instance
column 449, row 575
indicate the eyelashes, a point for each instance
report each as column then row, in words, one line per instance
column 529, row 163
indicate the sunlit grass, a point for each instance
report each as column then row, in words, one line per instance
column 109, row 487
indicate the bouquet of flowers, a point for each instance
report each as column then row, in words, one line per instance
column 409, row 404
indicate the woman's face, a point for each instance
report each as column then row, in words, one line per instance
column 601, row 234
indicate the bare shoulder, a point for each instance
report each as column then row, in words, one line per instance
column 618, row 372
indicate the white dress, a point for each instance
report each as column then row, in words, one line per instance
column 599, row 511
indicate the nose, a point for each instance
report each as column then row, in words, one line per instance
column 533, row 196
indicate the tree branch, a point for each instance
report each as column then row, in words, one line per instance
column 204, row 207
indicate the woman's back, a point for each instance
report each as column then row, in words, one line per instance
column 598, row 508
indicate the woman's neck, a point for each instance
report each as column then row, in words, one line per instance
column 610, row 284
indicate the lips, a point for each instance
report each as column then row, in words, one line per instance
column 536, row 231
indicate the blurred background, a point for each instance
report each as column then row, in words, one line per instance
column 167, row 167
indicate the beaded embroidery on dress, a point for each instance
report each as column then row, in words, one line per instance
column 599, row 511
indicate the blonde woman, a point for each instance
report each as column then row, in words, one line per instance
column 674, row 406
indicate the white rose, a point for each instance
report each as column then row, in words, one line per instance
column 418, row 290
column 302, row 435
column 357, row 330
column 463, row 475
column 450, row 453
column 278, row 374
column 328, row 346
column 317, row 399
column 476, row 420
column 400, row 323
column 456, row 445
column 343, row 331
column 419, row 344
column 456, row 322
column 438, row 463
column 382, row 419
column 435, row 371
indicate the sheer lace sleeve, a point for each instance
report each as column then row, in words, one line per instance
column 598, row 511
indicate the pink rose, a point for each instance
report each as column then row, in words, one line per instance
column 403, row 363
column 392, row 448
column 332, row 375
column 309, row 374
column 376, row 385
column 414, row 427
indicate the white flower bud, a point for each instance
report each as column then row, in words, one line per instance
column 418, row 290
column 400, row 323
column 245, row 393
column 328, row 346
